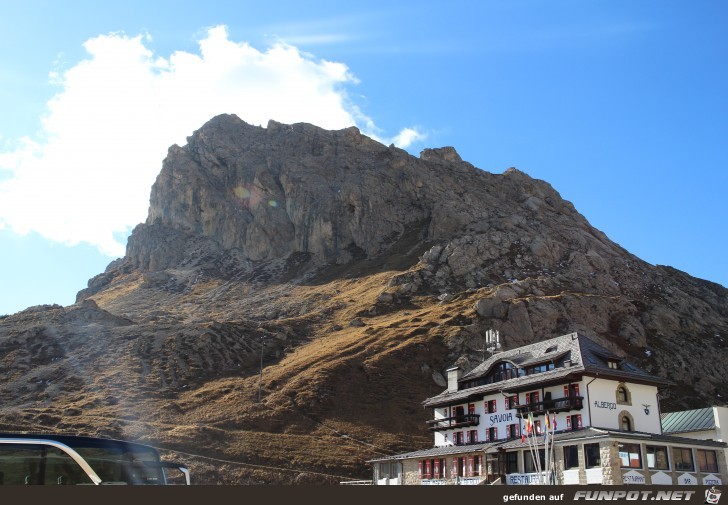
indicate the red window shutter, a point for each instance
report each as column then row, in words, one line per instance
column 518, row 430
column 474, row 438
column 576, row 389
column 467, row 437
column 470, row 466
column 428, row 469
column 487, row 435
column 537, row 397
column 419, row 466
column 516, row 399
column 495, row 433
column 579, row 421
column 471, row 408
column 495, row 406
column 568, row 422
column 566, row 391
column 437, row 468
column 528, row 398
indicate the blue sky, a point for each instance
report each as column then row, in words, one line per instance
column 622, row 105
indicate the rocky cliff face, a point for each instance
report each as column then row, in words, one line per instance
column 361, row 273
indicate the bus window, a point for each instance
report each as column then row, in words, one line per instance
column 35, row 464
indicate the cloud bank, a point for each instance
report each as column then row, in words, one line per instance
column 87, row 177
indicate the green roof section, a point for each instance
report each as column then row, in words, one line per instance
column 688, row 420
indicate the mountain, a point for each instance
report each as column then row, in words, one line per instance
column 355, row 274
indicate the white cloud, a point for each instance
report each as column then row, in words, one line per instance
column 407, row 137
column 87, row 178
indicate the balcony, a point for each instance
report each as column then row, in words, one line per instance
column 552, row 406
column 448, row 423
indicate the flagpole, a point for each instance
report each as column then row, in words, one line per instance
column 553, row 449
column 547, row 454
column 532, row 431
column 536, row 454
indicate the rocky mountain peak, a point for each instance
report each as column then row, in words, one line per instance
column 347, row 268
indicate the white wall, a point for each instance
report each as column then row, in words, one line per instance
column 440, row 413
column 605, row 410
column 721, row 423
column 502, row 417
column 600, row 401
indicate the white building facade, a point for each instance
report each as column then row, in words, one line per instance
column 603, row 413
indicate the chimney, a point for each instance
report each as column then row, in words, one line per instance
column 453, row 376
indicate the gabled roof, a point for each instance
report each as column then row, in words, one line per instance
column 561, row 437
column 434, row 452
column 530, row 354
column 585, row 355
column 688, row 420
column 447, row 398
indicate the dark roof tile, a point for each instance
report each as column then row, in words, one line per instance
column 586, row 357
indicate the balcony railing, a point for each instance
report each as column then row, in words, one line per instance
column 460, row 421
column 553, row 406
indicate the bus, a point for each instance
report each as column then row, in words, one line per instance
column 74, row 460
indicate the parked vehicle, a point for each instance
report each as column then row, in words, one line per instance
column 71, row 460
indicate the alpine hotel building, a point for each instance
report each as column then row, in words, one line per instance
column 607, row 424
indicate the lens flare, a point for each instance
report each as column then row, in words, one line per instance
column 241, row 193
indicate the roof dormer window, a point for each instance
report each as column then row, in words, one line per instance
column 613, row 364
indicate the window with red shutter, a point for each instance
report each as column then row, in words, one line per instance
column 471, row 408
column 428, row 469
column 578, row 421
column 419, row 466
column 437, row 468
column 568, row 422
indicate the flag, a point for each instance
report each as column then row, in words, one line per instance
column 529, row 426
column 523, row 434
column 547, row 422
column 554, row 422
